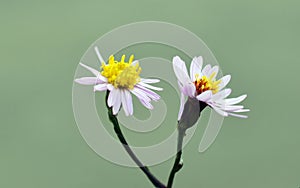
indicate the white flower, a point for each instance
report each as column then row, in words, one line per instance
column 203, row 86
column 121, row 79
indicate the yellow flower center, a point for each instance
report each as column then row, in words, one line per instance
column 206, row 83
column 121, row 74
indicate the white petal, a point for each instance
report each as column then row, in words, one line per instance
column 117, row 105
column 233, row 108
column 126, row 102
column 140, row 94
column 214, row 71
column 235, row 100
column 150, row 86
column 189, row 90
column 182, row 100
column 145, row 103
column 221, row 94
column 224, row 81
column 219, row 111
column 88, row 81
column 99, row 55
column 110, row 87
column 112, row 97
column 196, row 67
column 242, row 110
column 134, row 62
column 206, row 70
column 180, row 70
column 148, row 92
column 100, row 87
column 143, row 98
column 94, row 71
column 205, row 96
column 238, row 115
column 149, row 81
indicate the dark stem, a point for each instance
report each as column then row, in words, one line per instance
column 177, row 165
column 122, row 139
column 181, row 133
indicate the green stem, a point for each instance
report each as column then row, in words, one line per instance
column 177, row 165
column 122, row 139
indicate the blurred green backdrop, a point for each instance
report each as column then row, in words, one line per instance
column 41, row 43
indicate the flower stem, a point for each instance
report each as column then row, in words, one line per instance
column 177, row 165
column 117, row 129
column 181, row 128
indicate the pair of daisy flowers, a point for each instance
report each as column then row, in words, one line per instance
column 122, row 79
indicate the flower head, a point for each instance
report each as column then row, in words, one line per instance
column 122, row 79
column 202, row 85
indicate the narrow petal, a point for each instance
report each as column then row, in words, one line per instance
column 143, row 98
column 94, row 71
column 182, row 101
column 233, row 108
column 124, row 102
column 134, row 62
column 149, row 81
column 148, row 92
column 224, row 81
column 99, row 55
column 150, row 86
column 110, row 87
column 242, row 110
column 205, row 96
column 117, row 105
column 146, row 104
column 219, row 111
column 235, row 100
column 88, row 80
column 221, row 94
column 112, row 97
column 206, row 70
column 196, row 67
column 238, row 115
column 180, row 70
column 213, row 72
column 140, row 94
column 100, row 87
column 189, row 90
column 129, row 104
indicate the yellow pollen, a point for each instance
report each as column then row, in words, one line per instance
column 121, row 74
column 203, row 84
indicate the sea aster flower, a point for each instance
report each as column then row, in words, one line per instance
column 202, row 86
column 121, row 78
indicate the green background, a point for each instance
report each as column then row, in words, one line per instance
column 41, row 43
